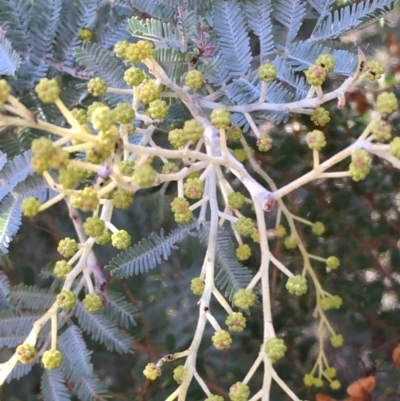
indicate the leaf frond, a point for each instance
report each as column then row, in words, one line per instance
column 147, row 253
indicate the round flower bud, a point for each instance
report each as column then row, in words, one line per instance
column 233, row 132
column 221, row 340
column 308, row 380
column 332, row 262
column 326, row 61
column 179, row 374
column 318, row 228
column 395, row 147
column 382, row 131
column 374, row 70
column 124, row 113
column 86, row 200
column 316, row 75
column 358, row 173
column 5, row 90
column 197, row 286
column 335, row 385
column 151, row 371
column 290, row 242
column 332, row 302
column 193, row 130
column 194, row 188
column 80, row 115
column 267, row 72
column 92, row 302
column 52, row 359
column 97, row 86
column 137, row 52
column 26, row 353
column 275, row 348
column 194, row 79
column 94, row 226
column 320, row 116
column 337, row 340
column 183, row 218
column 120, row 48
column 330, row 372
column 144, row 176
column 244, row 299
column 316, row 140
column 318, row 382
column 102, row 118
column 48, row 90
column 85, row 34
column 180, row 205
column 61, row 269
column 213, row 397
column 239, row 392
column 220, row 118
column 30, row 207
column 104, row 238
column 240, row 155
column 149, row 92
column 297, row 285
column 360, row 157
column 121, row 239
column 177, row 138
column 67, row 247
column 264, row 143
column 134, row 76
column 68, row 178
column 243, row 252
column 236, row 322
column 170, row 168
column 245, row 226
column 122, row 198
column 236, row 200
column 66, row 299
column 158, row 109
column 386, row 103
column 281, row 231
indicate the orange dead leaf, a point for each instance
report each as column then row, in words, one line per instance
column 396, row 356
column 362, row 388
column 323, row 397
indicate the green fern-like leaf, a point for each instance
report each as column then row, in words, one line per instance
column 71, row 21
column 9, row 58
column 303, row 54
column 31, row 297
column 231, row 275
column 120, row 310
column 76, row 367
column 147, row 253
column 43, row 26
column 258, row 16
column 16, row 323
column 10, row 207
column 103, row 330
column 102, row 64
column 233, row 39
column 155, row 9
column 157, row 31
column 351, row 16
column 53, row 386
column 290, row 13
column 15, row 171
column 4, row 291
column 15, row 16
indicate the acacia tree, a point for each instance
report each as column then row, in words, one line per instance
column 225, row 124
